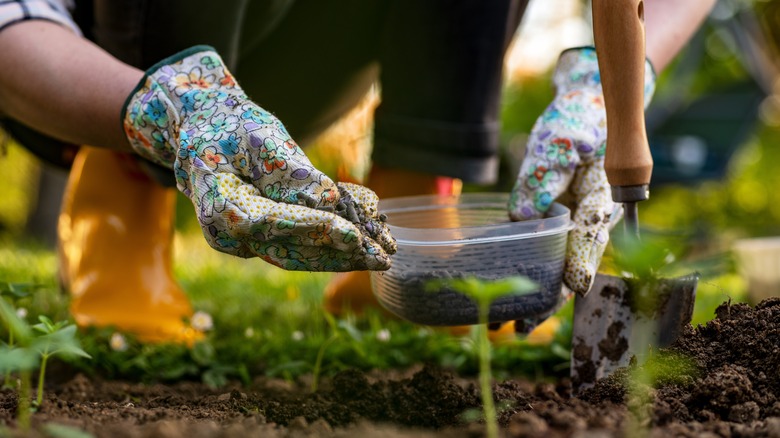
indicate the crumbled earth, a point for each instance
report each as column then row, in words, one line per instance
column 731, row 387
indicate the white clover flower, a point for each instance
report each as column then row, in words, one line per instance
column 297, row 335
column 118, row 342
column 249, row 332
column 383, row 335
column 21, row 313
column 202, row 322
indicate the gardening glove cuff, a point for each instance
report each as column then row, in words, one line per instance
column 578, row 68
column 565, row 154
column 254, row 191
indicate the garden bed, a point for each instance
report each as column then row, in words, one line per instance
column 731, row 388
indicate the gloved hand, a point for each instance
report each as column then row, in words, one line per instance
column 565, row 151
column 254, row 190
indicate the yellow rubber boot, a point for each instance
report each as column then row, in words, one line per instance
column 506, row 333
column 115, row 234
column 497, row 333
column 352, row 290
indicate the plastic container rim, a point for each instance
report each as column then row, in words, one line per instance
column 558, row 217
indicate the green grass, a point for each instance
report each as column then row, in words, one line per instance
column 266, row 321
column 270, row 322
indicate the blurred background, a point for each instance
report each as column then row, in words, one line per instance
column 714, row 129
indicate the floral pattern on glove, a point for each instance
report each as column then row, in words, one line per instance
column 254, row 191
column 565, row 152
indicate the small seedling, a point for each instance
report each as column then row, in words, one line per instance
column 341, row 330
column 660, row 368
column 55, row 339
column 317, row 370
column 652, row 256
column 643, row 263
column 14, row 291
column 484, row 293
column 31, row 350
column 18, row 357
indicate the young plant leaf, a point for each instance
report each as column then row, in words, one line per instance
column 62, row 342
column 18, row 290
column 647, row 257
column 46, row 326
column 18, row 359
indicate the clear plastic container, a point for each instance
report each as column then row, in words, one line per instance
column 469, row 236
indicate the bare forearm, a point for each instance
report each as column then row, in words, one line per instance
column 669, row 25
column 63, row 85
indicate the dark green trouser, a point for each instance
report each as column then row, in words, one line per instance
column 438, row 62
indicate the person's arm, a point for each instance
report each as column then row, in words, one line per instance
column 63, row 85
column 255, row 192
column 669, row 24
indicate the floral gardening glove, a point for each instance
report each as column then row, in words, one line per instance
column 565, row 151
column 255, row 192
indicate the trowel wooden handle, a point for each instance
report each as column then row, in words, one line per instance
column 619, row 34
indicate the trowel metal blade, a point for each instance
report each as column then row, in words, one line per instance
column 608, row 330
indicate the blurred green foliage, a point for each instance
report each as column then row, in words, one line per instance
column 19, row 177
column 267, row 322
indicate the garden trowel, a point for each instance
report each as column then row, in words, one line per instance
column 616, row 322
column 621, row 318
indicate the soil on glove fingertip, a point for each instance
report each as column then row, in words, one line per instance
column 731, row 389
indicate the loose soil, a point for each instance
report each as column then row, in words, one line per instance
column 733, row 390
